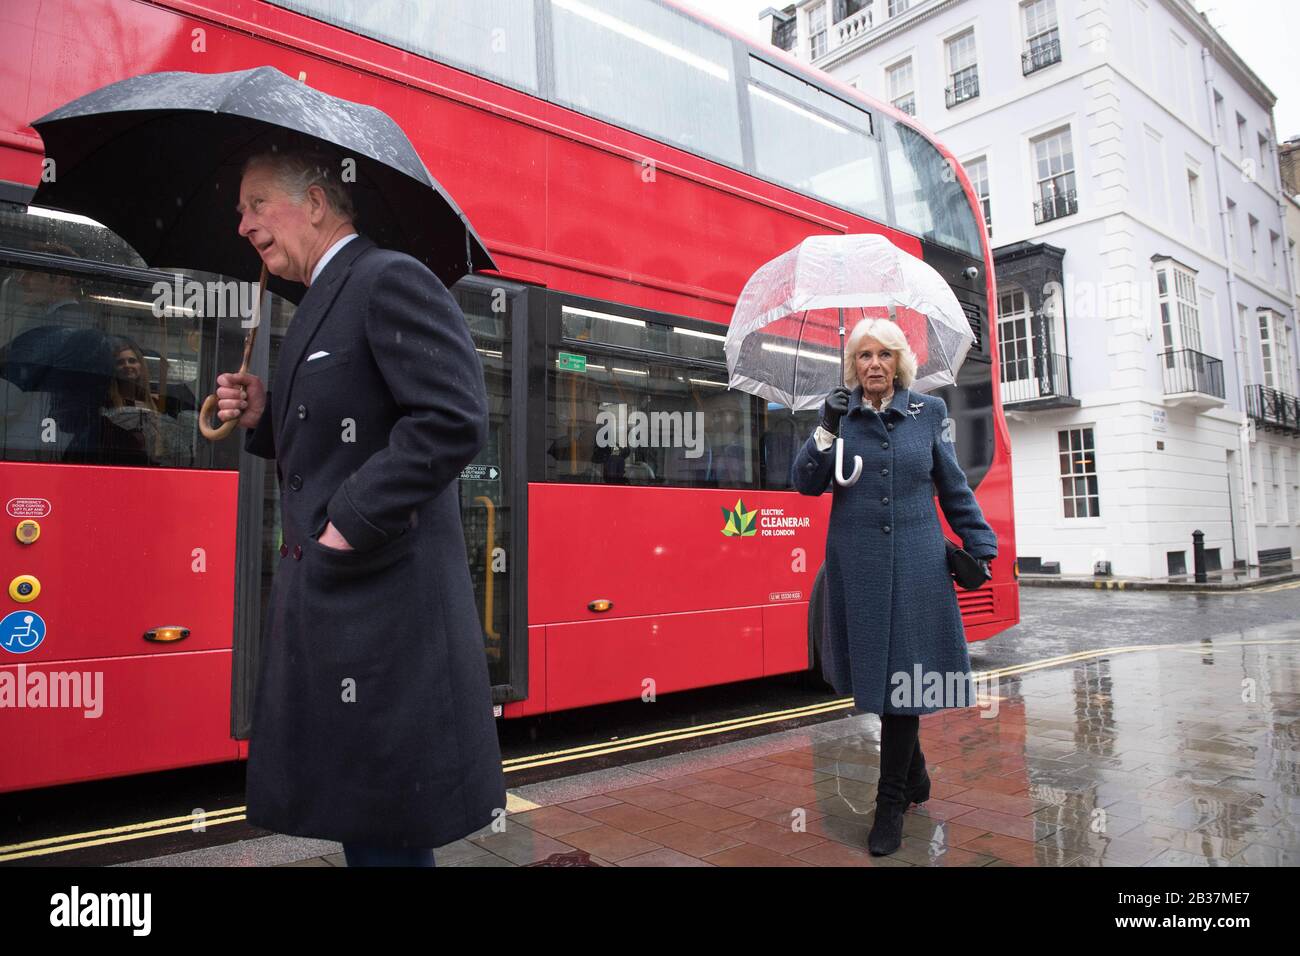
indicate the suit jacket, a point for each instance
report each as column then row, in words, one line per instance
column 372, row 717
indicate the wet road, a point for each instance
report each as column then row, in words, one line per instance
column 1054, row 622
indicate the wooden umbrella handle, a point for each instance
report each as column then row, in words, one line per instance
column 210, row 403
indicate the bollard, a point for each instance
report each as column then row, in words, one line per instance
column 1198, row 555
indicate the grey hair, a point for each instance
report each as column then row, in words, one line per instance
column 297, row 170
column 888, row 334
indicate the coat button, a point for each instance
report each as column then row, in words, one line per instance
column 295, row 482
column 890, row 426
column 884, row 501
column 884, row 471
column 297, row 552
column 284, row 550
column 302, row 411
column 885, row 529
column 884, row 444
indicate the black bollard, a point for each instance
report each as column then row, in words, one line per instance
column 1198, row 555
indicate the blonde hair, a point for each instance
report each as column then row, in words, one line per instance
column 888, row 334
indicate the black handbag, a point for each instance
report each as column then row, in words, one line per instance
column 965, row 570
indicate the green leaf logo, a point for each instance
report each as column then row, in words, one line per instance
column 739, row 523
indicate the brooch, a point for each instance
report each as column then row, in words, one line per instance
column 914, row 407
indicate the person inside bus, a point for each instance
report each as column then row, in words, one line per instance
column 372, row 719
column 884, row 527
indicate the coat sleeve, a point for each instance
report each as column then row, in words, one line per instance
column 811, row 472
column 955, row 496
column 260, row 440
column 422, row 345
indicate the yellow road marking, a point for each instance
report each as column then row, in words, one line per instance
column 516, row 804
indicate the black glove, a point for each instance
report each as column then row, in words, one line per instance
column 984, row 565
column 834, row 408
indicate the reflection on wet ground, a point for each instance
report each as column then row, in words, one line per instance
column 1172, row 755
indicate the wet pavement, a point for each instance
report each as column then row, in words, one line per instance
column 1228, row 579
column 1174, row 754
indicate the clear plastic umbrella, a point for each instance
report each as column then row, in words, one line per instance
column 786, row 338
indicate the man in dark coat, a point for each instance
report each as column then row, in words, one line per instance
column 372, row 718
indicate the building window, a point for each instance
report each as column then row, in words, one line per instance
column 1252, row 225
column 963, row 71
column 1180, row 321
column 1218, row 114
column 1243, row 345
column 1263, row 158
column 1273, row 239
column 901, row 91
column 1295, row 489
column 1194, row 199
column 1276, row 476
column 1042, row 38
column 1078, row 473
column 1233, row 249
column 1015, row 337
column 978, row 171
column 898, row 6
column 1275, row 351
column 1156, row 188
column 1241, row 136
column 817, row 31
column 1054, row 170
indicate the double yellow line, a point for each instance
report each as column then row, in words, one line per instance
column 153, row 828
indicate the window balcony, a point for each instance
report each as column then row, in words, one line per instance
column 1192, row 378
column 906, row 104
column 853, row 26
column 1043, row 51
column 965, row 86
column 1037, row 382
column 1273, row 410
column 1055, row 205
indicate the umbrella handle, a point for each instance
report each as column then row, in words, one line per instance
column 839, row 465
column 210, row 403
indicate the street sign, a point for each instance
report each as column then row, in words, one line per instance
column 572, row 363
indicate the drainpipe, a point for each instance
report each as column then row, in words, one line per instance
column 1243, row 428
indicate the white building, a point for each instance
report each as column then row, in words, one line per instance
column 1128, row 166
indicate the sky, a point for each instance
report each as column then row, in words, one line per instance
column 1265, row 34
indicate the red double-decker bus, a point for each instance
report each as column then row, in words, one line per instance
column 629, row 164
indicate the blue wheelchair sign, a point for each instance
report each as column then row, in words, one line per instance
column 21, row 631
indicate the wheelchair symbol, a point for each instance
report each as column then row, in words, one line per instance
column 21, row 631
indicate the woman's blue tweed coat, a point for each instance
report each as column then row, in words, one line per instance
column 890, row 602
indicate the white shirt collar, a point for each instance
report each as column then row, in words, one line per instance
column 329, row 254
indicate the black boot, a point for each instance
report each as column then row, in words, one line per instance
column 897, row 742
column 918, row 778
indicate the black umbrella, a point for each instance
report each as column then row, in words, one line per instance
column 157, row 158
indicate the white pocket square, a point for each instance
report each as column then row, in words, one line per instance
column 316, row 355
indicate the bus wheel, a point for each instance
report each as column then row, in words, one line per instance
column 812, row 678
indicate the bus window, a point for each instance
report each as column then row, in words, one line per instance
column 837, row 158
column 492, row 38
column 97, row 367
column 928, row 199
column 648, row 68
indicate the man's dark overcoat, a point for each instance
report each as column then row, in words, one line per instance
column 372, row 718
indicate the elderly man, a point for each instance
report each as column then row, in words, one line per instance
column 372, row 720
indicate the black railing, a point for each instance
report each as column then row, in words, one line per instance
column 1035, row 377
column 1043, row 51
column 965, row 86
column 907, row 104
column 1272, row 409
column 1187, row 370
column 1058, row 203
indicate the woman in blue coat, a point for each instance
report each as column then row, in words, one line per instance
column 894, row 633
